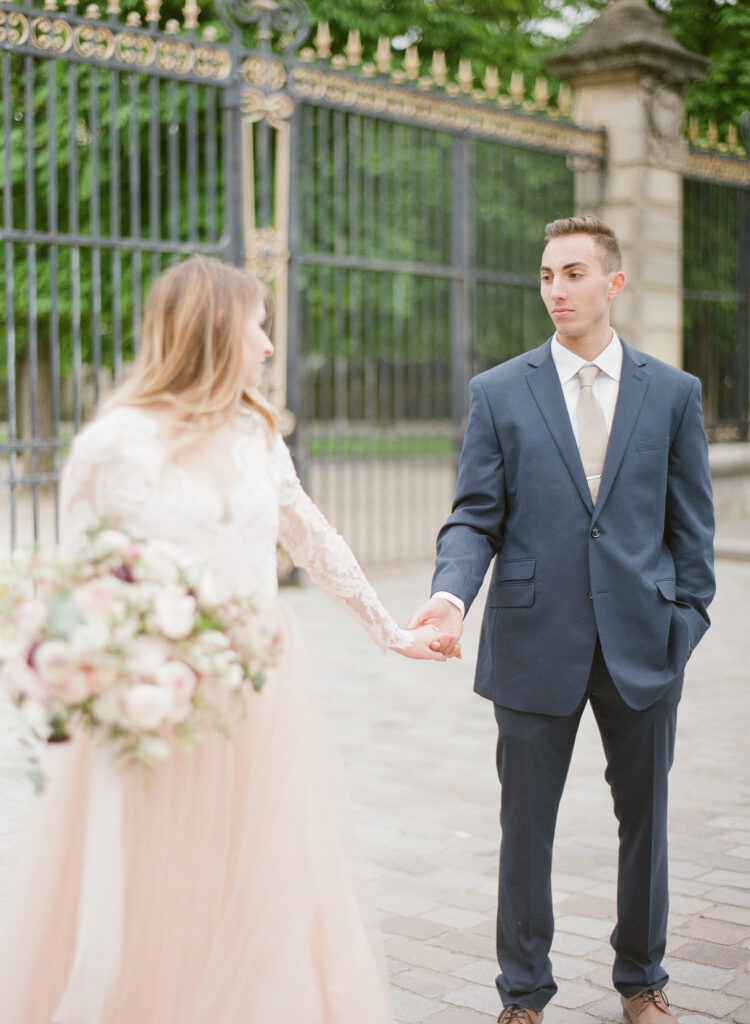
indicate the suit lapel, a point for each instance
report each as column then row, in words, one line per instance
column 634, row 381
column 547, row 391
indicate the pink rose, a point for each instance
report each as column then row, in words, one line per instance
column 178, row 679
column 53, row 660
column 100, row 597
column 147, row 706
column 76, row 687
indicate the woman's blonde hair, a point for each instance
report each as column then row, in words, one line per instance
column 191, row 351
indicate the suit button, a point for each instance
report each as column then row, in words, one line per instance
column 590, row 596
column 595, row 532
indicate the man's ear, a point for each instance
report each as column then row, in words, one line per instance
column 617, row 284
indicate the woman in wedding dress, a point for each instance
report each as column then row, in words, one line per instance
column 219, row 892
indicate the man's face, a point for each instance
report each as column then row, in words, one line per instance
column 576, row 288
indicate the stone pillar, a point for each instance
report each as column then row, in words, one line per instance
column 629, row 77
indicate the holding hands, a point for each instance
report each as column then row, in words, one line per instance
column 435, row 628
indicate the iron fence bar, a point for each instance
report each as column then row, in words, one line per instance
column 53, row 223
column 211, row 157
column 115, row 228
column 9, row 316
column 173, row 161
column 460, row 295
column 95, row 220
column 154, row 165
column 75, row 252
column 31, row 254
column 742, row 347
column 192, row 163
column 134, row 203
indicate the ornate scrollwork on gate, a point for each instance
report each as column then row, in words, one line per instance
column 55, row 36
column 268, row 73
column 290, row 19
column 275, row 107
column 266, row 252
column 14, row 28
column 91, row 41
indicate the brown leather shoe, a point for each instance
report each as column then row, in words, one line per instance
column 515, row 1014
column 650, row 1006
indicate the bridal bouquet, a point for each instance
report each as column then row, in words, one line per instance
column 128, row 642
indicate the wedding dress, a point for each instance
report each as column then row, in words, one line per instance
column 238, row 905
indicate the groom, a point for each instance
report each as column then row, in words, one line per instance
column 584, row 475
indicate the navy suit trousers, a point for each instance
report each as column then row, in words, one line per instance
column 533, row 757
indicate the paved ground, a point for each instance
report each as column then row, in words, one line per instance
column 418, row 748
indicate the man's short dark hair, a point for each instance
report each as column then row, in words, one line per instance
column 588, row 224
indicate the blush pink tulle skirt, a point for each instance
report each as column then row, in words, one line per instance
column 239, row 905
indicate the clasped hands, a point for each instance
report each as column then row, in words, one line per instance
column 436, row 628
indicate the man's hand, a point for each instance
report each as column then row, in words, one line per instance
column 446, row 617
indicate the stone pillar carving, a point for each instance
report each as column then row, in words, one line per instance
column 629, row 77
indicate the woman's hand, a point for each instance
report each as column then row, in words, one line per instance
column 428, row 643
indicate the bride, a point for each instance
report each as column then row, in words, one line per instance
column 225, row 897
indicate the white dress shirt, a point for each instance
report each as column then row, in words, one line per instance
column 606, row 388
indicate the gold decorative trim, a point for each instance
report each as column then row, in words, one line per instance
column 271, row 74
column 275, row 107
column 370, row 97
column 101, row 44
column 729, row 170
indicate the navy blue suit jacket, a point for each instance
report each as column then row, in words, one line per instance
column 636, row 570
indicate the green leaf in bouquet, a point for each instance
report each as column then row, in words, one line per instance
column 63, row 616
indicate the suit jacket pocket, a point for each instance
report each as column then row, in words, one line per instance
column 667, row 588
column 513, row 585
column 652, row 444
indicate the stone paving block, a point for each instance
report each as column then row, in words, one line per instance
column 395, row 966
column 684, row 868
column 688, row 886
column 586, row 905
column 481, row 972
column 698, row 975
column 696, row 1018
column 563, row 882
column 740, row 986
column 453, row 878
column 740, row 851
column 475, row 997
column 608, row 1007
column 471, row 943
column 575, row 945
column 742, row 1014
column 591, row 927
column 409, row 1008
column 680, row 903
column 733, row 879
column 737, row 915
column 412, row 927
column 714, row 955
column 430, row 984
column 574, row 994
column 570, row 967
column 401, row 904
column 461, row 1015
column 733, row 897
column 454, row 917
column 488, row 928
column 470, row 901
column 560, row 1015
column 717, row 1004
column 711, row 930
column 423, row 954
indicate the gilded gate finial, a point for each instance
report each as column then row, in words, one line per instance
column 322, row 40
column 383, row 55
column 353, row 48
column 439, row 68
column 190, row 15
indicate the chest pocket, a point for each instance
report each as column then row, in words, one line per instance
column 513, row 585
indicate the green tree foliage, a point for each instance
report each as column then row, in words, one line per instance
column 720, row 30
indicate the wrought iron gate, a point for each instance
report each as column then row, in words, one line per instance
column 397, row 213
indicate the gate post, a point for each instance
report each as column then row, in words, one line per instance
column 629, row 77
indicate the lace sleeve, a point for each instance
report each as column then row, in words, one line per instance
column 103, row 479
column 315, row 546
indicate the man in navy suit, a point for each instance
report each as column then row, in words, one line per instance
column 584, row 475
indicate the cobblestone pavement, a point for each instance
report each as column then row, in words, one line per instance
column 418, row 748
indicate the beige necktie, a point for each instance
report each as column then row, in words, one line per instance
column 592, row 429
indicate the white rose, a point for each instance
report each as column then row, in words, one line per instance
column 147, row 706
column 109, row 707
column 91, row 636
column 158, row 561
column 54, row 660
column 234, row 676
column 175, row 613
column 103, row 596
column 178, row 679
column 31, row 615
column 109, row 542
column 35, row 714
column 146, row 654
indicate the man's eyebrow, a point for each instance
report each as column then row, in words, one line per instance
column 568, row 266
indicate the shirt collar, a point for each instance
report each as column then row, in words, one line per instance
column 568, row 364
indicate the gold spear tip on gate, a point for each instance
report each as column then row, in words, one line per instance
column 353, row 48
column 411, row 63
column 517, row 88
column 565, row 99
column 541, row 93
column 322, row 40
column 491, row 81
column 190, row 15
column 152, row 11
column 465, row 76
column 439, row 68
column 383, row 55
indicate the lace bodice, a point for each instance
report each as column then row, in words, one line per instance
column 120, row 471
